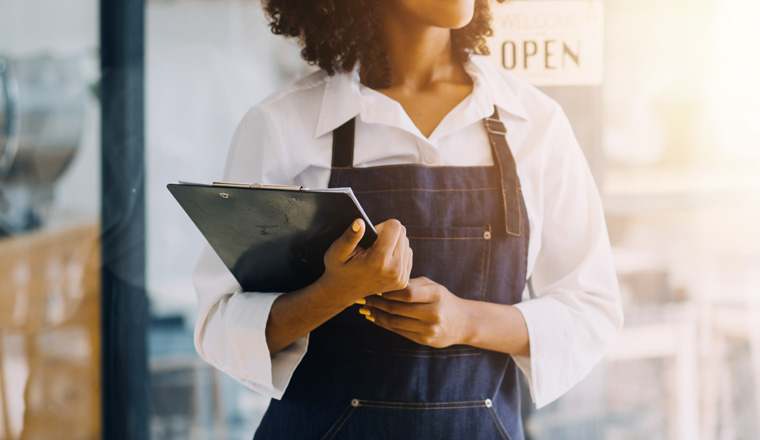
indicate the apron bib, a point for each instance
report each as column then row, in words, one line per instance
column 469, row 231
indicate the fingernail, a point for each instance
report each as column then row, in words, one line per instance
column 361, row 301
column 370, row 318
column 364, row 311
column 356, row 226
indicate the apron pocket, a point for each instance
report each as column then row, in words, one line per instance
column 455, row 257
column 369, row 419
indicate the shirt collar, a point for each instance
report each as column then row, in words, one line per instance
column 345, row 97
column 341, row 101
column 495, row 87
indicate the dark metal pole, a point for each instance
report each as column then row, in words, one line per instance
column 124, row 312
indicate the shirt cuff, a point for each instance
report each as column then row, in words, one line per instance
column 551, row 335
column 282, row 366
column 241, row 350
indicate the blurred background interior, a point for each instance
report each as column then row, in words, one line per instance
column 672, row 134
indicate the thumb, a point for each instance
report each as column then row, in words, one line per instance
column 343, row 247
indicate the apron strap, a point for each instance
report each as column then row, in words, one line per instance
column 343, row 145
column 502, row 154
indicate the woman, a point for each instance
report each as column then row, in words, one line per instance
column 421, row 335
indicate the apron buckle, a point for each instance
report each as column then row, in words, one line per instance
column 495, row 126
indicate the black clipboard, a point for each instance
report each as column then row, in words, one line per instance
column 271, row 237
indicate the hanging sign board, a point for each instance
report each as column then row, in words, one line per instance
column 549, row 43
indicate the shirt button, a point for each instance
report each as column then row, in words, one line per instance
column 429, row 157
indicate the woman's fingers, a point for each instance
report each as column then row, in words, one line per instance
column 402, row 244
column 425, row 312
column 412, row 336
column 394, row 322
column 387, row 236
column 357, row 272
column 344, row 247
column 409, row 328
column 419, row 290
column 410, row 310
column 408, row 258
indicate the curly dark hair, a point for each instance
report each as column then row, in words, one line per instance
column 335, row 34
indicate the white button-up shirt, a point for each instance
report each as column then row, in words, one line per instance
column 287, row 139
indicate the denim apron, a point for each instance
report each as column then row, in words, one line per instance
column 469, row 231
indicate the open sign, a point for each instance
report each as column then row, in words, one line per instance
column 551, row 54
column 549, row 42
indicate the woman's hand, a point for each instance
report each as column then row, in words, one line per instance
column 425, row 312
column 429, row 314
column 353, row 273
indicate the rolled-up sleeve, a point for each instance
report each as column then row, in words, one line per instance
column 230, row 332
column 576, row 313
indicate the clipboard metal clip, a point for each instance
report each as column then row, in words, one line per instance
column 259, row 185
